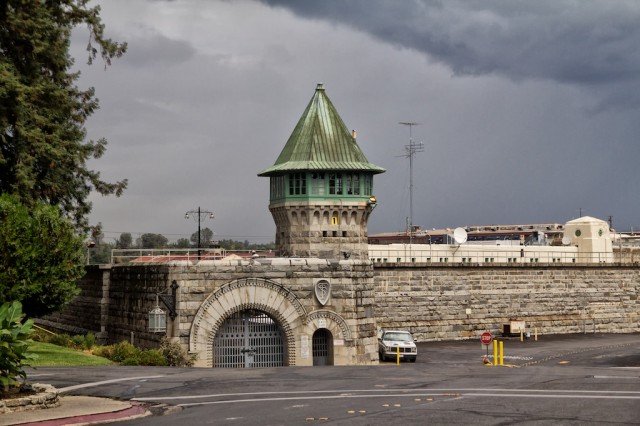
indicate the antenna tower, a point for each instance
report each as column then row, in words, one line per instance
column 410, row 151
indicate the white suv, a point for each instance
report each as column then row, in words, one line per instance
column 390, row 340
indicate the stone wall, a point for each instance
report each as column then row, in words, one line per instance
column 85, row 313
column 435, row 302
column 452, row 302
column 119, row 309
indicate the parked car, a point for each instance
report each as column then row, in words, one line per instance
column 389, row 341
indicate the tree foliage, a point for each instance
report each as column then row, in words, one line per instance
column 43, row 152
column 149, row 241
column 125, row 241
column 41, row 256
column 14, row 344
column 206, row 235
column 182, row 243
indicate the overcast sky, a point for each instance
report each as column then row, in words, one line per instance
column 529, row 111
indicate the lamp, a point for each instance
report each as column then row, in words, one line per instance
column 157, row 319
column 372, row 202
column 157, row 316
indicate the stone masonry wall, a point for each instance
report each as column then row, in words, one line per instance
column 435, row 302
column 120, row 310
column 459, row 302
column 348, row 280
column 84, row 313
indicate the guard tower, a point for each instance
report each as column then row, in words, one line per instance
column 321, row 187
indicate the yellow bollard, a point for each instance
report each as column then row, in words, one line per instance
column 501, row 353
column 398, row 355
column 521, row 335
column 495, row 352
column 535, row 330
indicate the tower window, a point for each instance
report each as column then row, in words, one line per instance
column 352, row 184
column 317, row 184
column 368, row 190
column 277, row 187
column 335, row 184
column 297, row 184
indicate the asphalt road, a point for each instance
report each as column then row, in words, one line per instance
column 569, row 380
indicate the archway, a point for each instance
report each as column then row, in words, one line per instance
column 322, row 347
column 248, row 339
column 249, row 294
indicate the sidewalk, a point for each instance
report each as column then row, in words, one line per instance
column 76, row 410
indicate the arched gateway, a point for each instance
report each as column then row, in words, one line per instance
column 250, row 294
column 256, row 322
column 248, row 339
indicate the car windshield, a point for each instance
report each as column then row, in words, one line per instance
column 398, row 337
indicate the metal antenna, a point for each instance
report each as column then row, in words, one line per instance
column 411, row 149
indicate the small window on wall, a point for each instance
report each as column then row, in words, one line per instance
column 317, row 184
column 367, row 184
column 352, row 183
column 335, row 183
column 297, row 184
column 277, row 187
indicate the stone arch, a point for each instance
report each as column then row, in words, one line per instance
column 335, row 323
column 247, row 293
column 325, row 218
column 354, row 218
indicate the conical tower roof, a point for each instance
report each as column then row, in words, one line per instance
column 321, row 141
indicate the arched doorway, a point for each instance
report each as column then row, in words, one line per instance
column 248, row 339
column 322, row 347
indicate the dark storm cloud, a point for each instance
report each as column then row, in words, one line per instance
column 583, row 43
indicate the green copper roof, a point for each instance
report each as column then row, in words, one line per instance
column 321, row 141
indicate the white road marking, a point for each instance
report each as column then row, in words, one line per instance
column 616, row 377
column 104, row 382
column 399, row 392
column 456, row 395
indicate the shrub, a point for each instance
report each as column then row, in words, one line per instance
column 89, row 341
column 78, row 341
column 14, row 343
column 61, row 340
column 152, row 357
column 124, row 350
column 104, row 351
column 175, row 354
column 126, row 354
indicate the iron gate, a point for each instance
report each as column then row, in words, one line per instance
column 321, row 347
column 248, row 339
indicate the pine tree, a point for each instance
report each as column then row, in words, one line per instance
column 43, row 152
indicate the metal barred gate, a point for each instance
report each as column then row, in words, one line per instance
column 321, row 343
column 248, row 339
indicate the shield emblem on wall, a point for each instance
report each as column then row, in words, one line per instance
column 323, row 291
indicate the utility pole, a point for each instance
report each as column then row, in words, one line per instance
column 197, row 215
column 410, row 151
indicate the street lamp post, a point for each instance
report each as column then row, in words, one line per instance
column 197, row 215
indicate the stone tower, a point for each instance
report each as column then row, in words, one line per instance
column 321, row 187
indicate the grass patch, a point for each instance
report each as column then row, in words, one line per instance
column 50, row 355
